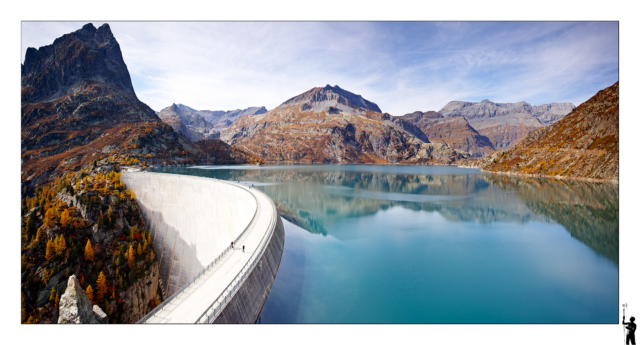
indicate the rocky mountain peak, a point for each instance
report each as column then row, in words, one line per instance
column 87, row 56
column 320, row 98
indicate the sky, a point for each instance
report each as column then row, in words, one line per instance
column 401, row 66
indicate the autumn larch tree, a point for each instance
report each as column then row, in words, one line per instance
column 64, row 218
column 88, row 251
column 101, row 285
column 51, row 251
column 90, row 293
column 131, row 256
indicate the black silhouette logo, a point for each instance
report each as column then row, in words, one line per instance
column 630, row 327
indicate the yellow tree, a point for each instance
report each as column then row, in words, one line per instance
column 109, row 214
column 90, row 293
column 38, row 236
column 88, row 251
column 51, row 251
column 61, row 245
column 45, row 275
column 131, row 255
column 101, row 285
column 52, row 295
column 64, row 218
column 48, row 217
column 139, row 249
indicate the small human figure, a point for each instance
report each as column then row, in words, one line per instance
column 243, row 248
column 631, row 330
column 231, row 244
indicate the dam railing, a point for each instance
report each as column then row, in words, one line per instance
column 168, row 300
column 227, row 294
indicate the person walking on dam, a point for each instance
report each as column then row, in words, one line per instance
column 231, row 244
column 243, row 248
column 631, row 330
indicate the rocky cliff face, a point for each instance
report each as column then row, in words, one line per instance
column 331, row 125
column 78, row 106
column 138, row 297
column 550, row 113
column 88, row 55
column 320, row 98
column 583, row 144
column 454, row 132
column 506, row 124
column 222, row 119
column 203, row 124
column 190, row 125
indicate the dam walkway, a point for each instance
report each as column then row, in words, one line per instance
column 207, row 294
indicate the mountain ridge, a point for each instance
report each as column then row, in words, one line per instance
column 331, row 125
column 583, row 144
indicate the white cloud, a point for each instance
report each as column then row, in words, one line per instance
column 402, row 67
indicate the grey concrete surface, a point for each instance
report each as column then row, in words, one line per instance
column 192, row 221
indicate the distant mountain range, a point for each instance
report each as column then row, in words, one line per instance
column 203, row 124
column 77, row 100
column 506, row 124
column 583, row 144
column 332, row 125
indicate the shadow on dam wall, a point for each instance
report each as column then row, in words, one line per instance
column 178, row 260
column 191, row 220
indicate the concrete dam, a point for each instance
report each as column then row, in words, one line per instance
column 193, row 221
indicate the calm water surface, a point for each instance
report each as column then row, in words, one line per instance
column 420, row 244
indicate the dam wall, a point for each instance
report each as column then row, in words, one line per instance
column 192, row 220
column 246, row 304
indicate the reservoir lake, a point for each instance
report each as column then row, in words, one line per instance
column 436, row 244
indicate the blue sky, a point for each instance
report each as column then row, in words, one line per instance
column 401, row 66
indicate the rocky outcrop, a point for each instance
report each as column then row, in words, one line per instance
column 222, row 119
column 331, row 125
column 75, row 306
column 584, row 144
column 138, row 297
column 88, row 54
column 203, row 124
column 320, row 98
column 191, row 125
column 550, row 113
column 506, row 124
column 454, row 132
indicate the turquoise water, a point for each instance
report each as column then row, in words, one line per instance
column 420, row 244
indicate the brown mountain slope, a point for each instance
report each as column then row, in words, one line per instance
column 453, row 131
column 78, row 106
column 584, row 144
column 331, row 125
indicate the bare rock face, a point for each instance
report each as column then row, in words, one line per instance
column 138, row 296
column 88, row 54
column 76, row 308
column 583, row 144
column 454, row 132
column 550, row 113
column 506, row 124
column 187, row 123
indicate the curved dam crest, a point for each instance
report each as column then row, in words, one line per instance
column 192, row 221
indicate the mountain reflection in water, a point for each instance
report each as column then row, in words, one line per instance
column 315, row 197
